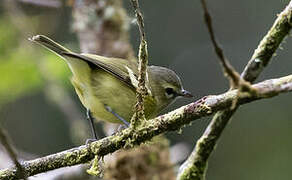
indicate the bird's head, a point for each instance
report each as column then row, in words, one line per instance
column 166, row 85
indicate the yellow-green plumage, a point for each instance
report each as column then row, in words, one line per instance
column 100, row 81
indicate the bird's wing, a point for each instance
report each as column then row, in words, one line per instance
column 110, row 65
column 126, row 71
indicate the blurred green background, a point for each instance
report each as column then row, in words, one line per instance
column 255, row 145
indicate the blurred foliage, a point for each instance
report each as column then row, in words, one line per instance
column 20, row 65
column 19, row 74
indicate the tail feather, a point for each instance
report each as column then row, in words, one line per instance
column 50, row 44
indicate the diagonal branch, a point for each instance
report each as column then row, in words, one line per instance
column 268, row 45
column 169, row 122
column 142, row 67
column 195, row 166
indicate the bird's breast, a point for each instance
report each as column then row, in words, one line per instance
column 105, row 89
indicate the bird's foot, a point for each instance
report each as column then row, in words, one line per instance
column 89, row 141
column 109, row 109
column 91, row 123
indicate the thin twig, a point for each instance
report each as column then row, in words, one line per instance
column 228, row 70
column 7, row 145
column 233, row 76
column 142, row 67
column 168, row 122
column 196, row 165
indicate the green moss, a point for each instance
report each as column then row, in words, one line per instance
column 191, row 173
column 96, row 168
column 71, row 157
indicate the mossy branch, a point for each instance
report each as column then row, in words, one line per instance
column 196, row 165
column 268, row 45
column 142, row 67
column 169, row 122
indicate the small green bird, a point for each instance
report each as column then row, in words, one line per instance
column 107, row 86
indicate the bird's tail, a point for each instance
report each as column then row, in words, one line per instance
column 50, row 44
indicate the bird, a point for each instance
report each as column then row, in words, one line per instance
column 107, row 86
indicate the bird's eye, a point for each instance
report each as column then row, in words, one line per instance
column 169, row 92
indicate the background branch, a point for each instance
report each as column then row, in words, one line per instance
column 171, row 121
column 195, row 166
column 102, row 27
column 7, row 145
column 50, row 3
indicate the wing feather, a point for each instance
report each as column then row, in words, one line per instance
column 119, row 72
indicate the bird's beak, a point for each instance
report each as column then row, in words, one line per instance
column 185, row 93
